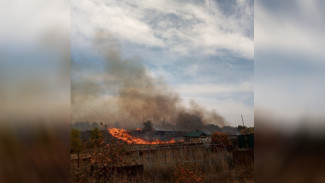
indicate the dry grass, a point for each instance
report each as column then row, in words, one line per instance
column 165, row 165
column 33, row 155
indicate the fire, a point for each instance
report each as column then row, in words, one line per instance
column 122, row 134
column 139, row 129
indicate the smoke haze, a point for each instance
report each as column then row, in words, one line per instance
column 123, row 92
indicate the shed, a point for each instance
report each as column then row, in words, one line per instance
column 196, row 136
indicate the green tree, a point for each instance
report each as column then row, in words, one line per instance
column 96, row 138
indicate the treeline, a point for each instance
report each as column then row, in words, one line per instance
column 86, row 126
column 148, row 126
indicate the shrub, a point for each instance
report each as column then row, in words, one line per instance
column 219, row 137
column 188, row 174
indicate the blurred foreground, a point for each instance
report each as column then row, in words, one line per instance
column 284, row 157
column 34, row 154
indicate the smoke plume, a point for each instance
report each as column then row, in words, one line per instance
column 123, row 91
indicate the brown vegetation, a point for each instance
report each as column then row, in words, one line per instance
column 120, row 162
column 219, row 137
column 188, row 174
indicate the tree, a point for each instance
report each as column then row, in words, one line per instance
column 147, row 126
column 103, row 157
column 94, row 125
column 75, row 143
column 247, row 130
column 219, row 137
column 96, row 137
column 240, row 127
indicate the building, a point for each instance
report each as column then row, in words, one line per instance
column 196, row 136
column 246, row 141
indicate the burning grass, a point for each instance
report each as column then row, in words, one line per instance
column 162, row 168
column 122, row 134
column 124, row 159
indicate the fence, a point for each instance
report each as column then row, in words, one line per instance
column 173, row 154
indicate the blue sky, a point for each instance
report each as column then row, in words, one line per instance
column 204, row 50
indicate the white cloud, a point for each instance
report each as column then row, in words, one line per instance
column 122, row 21
column 178, row 27
column 202, row 89
column 289, row 33
column 33, row 22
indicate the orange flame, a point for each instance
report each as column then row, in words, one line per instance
column 122, row 134
column 139, row 129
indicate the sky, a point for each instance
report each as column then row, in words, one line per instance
column 204, row 50
column 289, row 62
column 34, row 62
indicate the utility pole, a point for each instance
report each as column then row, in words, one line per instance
column 242, row 119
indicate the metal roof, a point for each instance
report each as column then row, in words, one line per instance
column 196, row 133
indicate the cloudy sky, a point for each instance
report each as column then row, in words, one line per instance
column 202, row 49
column 289, row 62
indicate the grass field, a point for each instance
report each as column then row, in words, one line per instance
column 162, row 163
